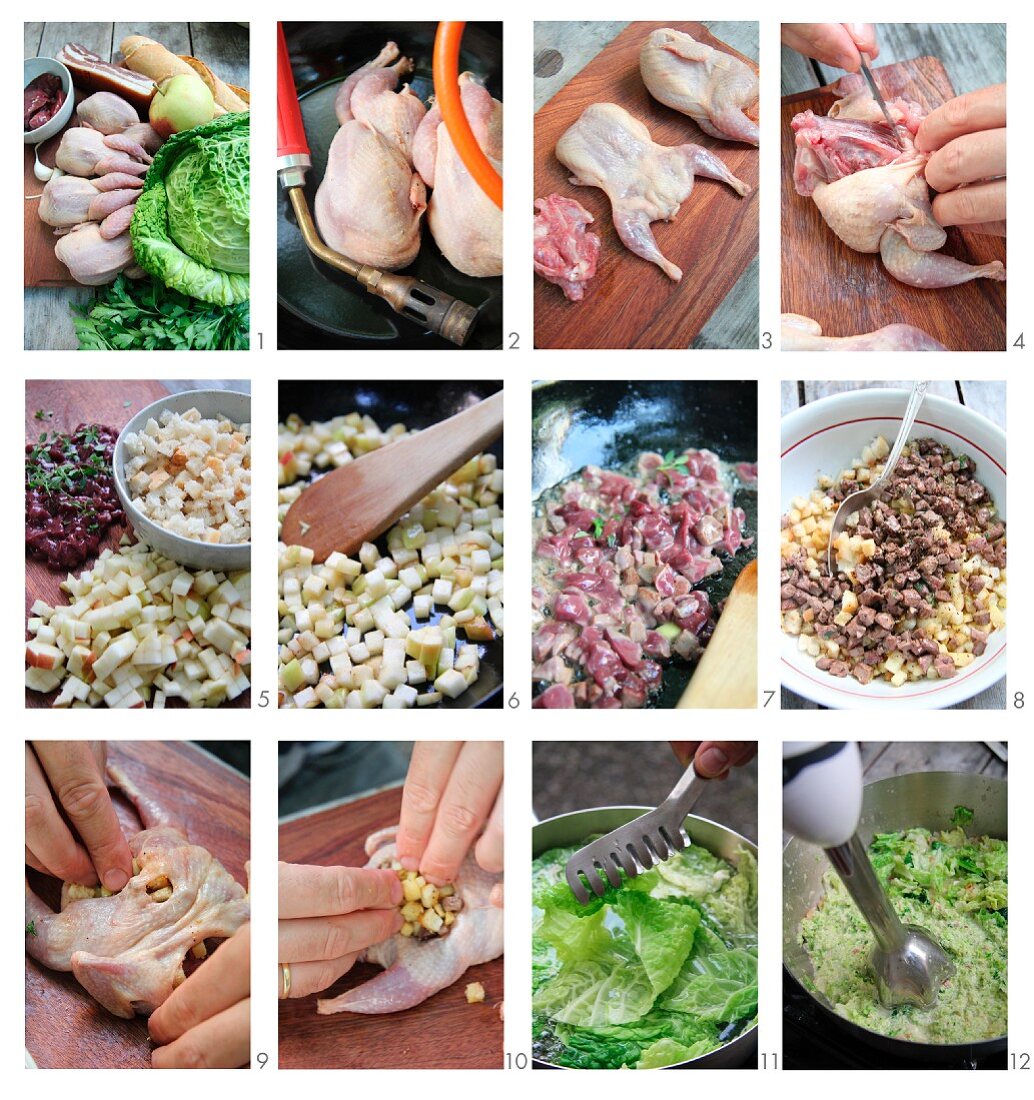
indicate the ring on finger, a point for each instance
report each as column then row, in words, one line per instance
column 285, row 981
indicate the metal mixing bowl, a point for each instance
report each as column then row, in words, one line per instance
column 921, row 799
column 576, row 827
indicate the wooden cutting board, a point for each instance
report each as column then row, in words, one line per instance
column 64, row 1027
column 850, row 292
column 442, row 1033
column 71, row 403
column 631, row 303
column 42, row 267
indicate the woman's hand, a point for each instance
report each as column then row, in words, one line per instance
column 69, row 776
column 328, row 915
column 966, row 136
column 452, row 799
column 839, row 44
column 713, row 759
column 206, row 1023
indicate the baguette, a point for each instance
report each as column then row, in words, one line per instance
column 225, row 95
column 144, row 55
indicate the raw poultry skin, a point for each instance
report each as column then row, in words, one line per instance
column 91, row 258
column 714, row 88
column 417, row 969
column 645, row 182
column 565, row 254
column 113, row 148
column 369, row 95
column 127, row 950
column 872, row 193
column 466, row 224
column 803, row 334
column 370, row 201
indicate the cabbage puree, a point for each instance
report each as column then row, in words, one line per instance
column 953, row 886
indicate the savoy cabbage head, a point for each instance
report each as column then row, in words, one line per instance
column 191, row 227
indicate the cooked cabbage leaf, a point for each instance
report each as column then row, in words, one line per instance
column 652, row 972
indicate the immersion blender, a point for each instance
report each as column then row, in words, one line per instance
column 409, row 297
column 822, row 804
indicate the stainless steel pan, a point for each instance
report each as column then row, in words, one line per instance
column 574, row 828
column 923, row 799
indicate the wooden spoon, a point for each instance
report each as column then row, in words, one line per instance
column 727, row 675
column 362, row 499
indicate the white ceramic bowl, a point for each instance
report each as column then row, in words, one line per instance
column 222, row 557
column 37, row 66
column 824, row 437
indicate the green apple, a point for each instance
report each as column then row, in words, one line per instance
column 180, row 103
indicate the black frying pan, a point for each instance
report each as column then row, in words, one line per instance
column 417, row 405
column 609, row 424
column 320, row 306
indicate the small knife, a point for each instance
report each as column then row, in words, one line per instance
column 871, row 81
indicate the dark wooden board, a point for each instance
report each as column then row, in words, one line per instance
column 442, row 1033
column 42, row 267
column 64, row 1027
column 850, row 292
column 74, row 402
column 631, row 303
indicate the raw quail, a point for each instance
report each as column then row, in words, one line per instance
column 714, row 88
column 127, row 949
column 466, row 224
column 803, row 334
column 416, row 969
column 645, row 182
column 107, row 112
column 868, row 184
column 90, row 258
column 370, row 202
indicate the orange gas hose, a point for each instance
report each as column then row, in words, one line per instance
column 446, row 68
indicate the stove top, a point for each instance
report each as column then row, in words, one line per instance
column 812, row 1041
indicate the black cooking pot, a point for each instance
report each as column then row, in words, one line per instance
column 320, row 306
column 609, row 424
column 417, row 405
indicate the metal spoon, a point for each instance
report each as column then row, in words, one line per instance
column 857, row 501
column 910, row 966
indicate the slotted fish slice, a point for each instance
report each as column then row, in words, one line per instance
column 637, row 846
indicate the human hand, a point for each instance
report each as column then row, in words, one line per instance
column 206, row 1023
column 713, row 759
column 69, row 776
column 966, row 136
column 839, row 44
column 452, row 799
column 328, row 915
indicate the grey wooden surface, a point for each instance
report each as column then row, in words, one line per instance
column 569, row 775
column 883, row 759
column 973, row 54
column 562, row 50
column 986, row 398
column 222, row 46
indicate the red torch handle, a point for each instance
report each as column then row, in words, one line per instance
column 290, row 130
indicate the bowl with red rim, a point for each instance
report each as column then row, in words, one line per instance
column 824, row 437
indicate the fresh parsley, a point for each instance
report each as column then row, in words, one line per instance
column 30, row 928
column 597, row 526
column 43, row 414
column 143, row 314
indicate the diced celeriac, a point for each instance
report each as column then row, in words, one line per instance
column 445, row 554
column 135, row 622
